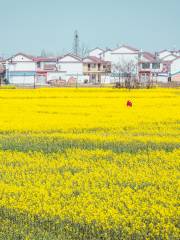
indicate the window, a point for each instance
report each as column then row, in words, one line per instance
column 145, row 65
column 156, row 65
column 38, row 64
column 89, row 67
column 99, row 67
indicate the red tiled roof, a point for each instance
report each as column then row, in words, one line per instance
column 149, row 56
column 95, row 60
column 45, row 59
column 71, row 55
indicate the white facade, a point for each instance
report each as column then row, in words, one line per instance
column 120, row 56
column 96, row 52
column 21, row 69
column 124, row 54
column 55, row 75
column 175, row 70
column 71, row 66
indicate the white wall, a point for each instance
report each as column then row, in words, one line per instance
column 22, row 66
column 96, row 52
column 120, row 55
column 22, row 80
column 72, row 67
column 56, row 76
column 175, row 66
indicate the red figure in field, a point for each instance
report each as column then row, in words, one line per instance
column 129, row 103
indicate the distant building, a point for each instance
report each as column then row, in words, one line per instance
column 96, row 52
column 21, row 69
column 119, row 57
column 122, row 54
column 96, row 69
column 175, row 70
column 47, row 70
column 72, row 67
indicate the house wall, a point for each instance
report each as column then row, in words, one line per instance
column 22, row 66
column 175, row 69
column 22, row 80
column 56, row 76
column 96, row 52
column 72, row 67
column 106, row 56
column 20, row 70
column 121, row 55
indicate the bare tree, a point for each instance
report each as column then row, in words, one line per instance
column 125, row 71
column 84, row 50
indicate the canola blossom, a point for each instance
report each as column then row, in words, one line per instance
column 80, row 164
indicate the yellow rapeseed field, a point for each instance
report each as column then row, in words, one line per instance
column 80, row 164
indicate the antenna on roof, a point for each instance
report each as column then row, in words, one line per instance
column 76, row 43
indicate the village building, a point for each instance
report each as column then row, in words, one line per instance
column 96, row 70
column 72, row 68
column 96, row 52
column 47, row 70
column 120, row 58
column 21, row 69
column 175, row 70
column 153, row 69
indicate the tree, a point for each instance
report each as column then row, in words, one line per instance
column 125, row 71
column 84, row 50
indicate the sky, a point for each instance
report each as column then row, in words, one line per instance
column 33, row 25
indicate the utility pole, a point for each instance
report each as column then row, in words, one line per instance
column 76, row 43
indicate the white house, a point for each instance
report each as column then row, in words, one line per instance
column 175, row 70
column 121, row 56
column 21, row 69
column 72, row 67
column 46, row 70
column 151, row 68
column 96, row 52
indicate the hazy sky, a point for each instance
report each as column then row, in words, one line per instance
column 32, row 25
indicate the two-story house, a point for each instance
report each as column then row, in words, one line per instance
column 71, row 66
column 21, row 69
column 96, row 69
column 152, row 68
column 47, row 70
